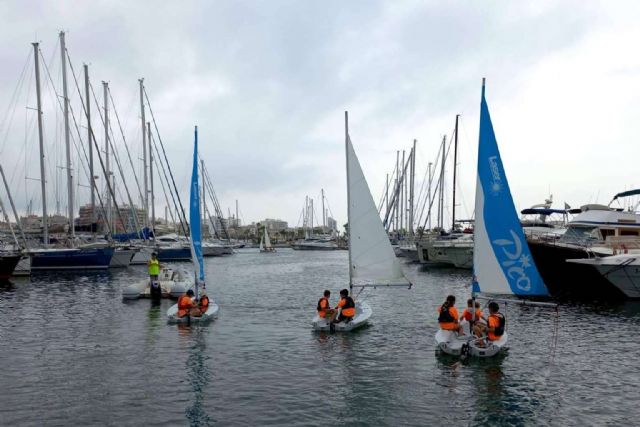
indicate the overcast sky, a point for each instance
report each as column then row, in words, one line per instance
column 267, row 82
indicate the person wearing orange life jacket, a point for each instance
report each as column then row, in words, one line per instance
column 496, row 322
column 324, row 308
column 347, row 307
column 203, row 304
column 448, row 316
column 467, row 313
column 185, row 303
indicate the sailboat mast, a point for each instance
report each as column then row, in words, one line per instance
column 411, row 188
column 89, row 135
column 107, row 173
column 455, row 166
column 324, row 222
column 429, row 195
column 204, row 200
column 346, row 149
column 43, row 185
column 441, row 198
column 395, row 191
column 153, row 199
column 67, row 143
column 402, row 195
column 144, row 153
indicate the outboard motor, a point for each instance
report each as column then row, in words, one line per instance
column 156, row 291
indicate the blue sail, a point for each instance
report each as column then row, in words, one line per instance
column 502, row 260
column 194, row 216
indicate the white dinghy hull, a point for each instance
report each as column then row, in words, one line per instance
column 449, row 342
column 172, row 283
column 207, row 316
column 363, row 313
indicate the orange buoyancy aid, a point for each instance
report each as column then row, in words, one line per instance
column 184, row 305
column 348, row 307
column 323, row 306
column 497, row 322
column 468, row 316
column 204, row 303
column 448, row 318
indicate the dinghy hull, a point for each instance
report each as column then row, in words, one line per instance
column 207, row 316
column 363, row 313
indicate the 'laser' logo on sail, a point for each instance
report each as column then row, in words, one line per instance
column 496, row 179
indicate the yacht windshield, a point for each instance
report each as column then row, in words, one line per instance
column 581, row 234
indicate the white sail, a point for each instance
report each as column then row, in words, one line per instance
column 372, row 258
column 267, row 241
column 262, row 243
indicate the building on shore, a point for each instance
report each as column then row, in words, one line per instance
column 123, row 223
column 332, row 224
column 275, row 225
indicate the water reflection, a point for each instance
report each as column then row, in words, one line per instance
column 197, row 373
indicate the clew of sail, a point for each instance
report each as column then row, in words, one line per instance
column 501, row 258
column 194, row 217
column 373, row 261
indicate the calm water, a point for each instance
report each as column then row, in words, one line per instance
column 74, row 354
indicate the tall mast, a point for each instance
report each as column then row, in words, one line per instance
column 441, row 198
column 324, row 222
column 144, row 153
column 429, row 195
column 386, row 195
column 204, row 201
column 402, row 194
column 346, row 149
column 311, row 200
column 105, row 89
column 455, row 164
column 153, row 199
column 92, row 179
column 43, row 185
column 67, row 143
column 395, row 190
column 237, row 219
column 411, row 188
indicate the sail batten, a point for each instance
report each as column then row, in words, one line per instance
column 501, row 257
column 373, row 261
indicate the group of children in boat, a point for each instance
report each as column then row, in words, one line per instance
column 344, row 311
column 491, row 327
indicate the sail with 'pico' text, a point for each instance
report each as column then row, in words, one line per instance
column 501, row 257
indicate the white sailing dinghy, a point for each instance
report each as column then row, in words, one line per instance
column 265, row 243
column 502, row 261
column 196, row 250
column 173, row 283
column 372, row 262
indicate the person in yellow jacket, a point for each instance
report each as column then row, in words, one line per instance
column 154, row 268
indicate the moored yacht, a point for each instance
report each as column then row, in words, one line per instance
column 596, row 231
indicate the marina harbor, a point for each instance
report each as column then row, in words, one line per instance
column 320, row 213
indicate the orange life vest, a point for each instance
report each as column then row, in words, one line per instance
column 448, row 320
column 184, row 305
column 323, row 306
column 497, row 322
column 348, row 307
column 468, row 316
column 204, row 303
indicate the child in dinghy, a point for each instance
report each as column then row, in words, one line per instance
column 448, row 316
